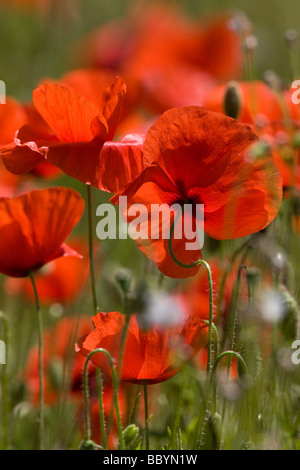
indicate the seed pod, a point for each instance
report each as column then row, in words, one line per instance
column 232, row 100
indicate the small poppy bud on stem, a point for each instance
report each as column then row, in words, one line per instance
column 232, row 100
column 130, row 433
column 87, row 445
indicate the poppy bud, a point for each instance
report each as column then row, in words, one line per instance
column 130, row 433
column 87, row 445
column 232, row 100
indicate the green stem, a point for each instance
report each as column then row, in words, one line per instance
column 120, row 361
column 230, row 354
column 86, row 396
column 91, row 250
column 236, row 298
column 207, row 267
column 146, row 413
column 201, row 423
column 101, row 408
column 178, row 413
column 41, row 367
column 4, row 384
column 232, row 338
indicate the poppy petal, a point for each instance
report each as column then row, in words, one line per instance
column 120, row 163
column 151, row 195
column 71, row 117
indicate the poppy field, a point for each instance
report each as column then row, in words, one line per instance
column 149, row 225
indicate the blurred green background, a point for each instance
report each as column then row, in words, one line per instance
column 33, row 46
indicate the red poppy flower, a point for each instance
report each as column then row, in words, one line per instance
column 34, row 226
column 201, row 158
column 75, row 138
column 60, row 281
column 154, row 354
column 162, row 34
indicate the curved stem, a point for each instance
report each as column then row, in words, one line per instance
column 207, row 267
column 231, row 354
column 86, row 395
column 41, row 367
column 91, row 250
column 201, row 423
column 146, row 413
column 120, row 361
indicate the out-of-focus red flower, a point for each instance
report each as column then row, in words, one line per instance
column 200, row 157
column 155, row 354
column 76, row 138
column 175, row 85
column 34, row 226
column 8, row 182
column 162, row 33
column 60, row 281
column 158, row 49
